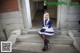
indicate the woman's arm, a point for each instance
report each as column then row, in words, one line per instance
column 50, row 24
column 42, row 23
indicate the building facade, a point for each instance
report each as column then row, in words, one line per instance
column 18, row 14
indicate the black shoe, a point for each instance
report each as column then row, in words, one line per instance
column 46, row 43
column 45, row 48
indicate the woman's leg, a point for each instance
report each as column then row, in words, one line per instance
column 46, row 41
column 44, row 37
column 41, row 35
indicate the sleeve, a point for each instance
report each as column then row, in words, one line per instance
column 42, row 23
column 50, row 24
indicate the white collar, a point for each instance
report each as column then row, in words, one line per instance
column 46, row 22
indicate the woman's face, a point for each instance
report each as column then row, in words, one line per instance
column 46, row 16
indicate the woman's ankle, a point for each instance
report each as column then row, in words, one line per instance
column 46, row 42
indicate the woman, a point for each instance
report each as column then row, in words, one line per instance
column 46, row 30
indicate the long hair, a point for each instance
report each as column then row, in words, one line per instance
column 45, row 19
column 45, row 15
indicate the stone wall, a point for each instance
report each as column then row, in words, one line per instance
column 73, row 17
column 2, row 35
column 10, row 21
column 69, row 17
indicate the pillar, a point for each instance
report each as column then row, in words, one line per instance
column 25, row 5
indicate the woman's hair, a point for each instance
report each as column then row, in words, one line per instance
column 45, row 18
column 45, row 14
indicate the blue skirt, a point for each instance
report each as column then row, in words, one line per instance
column 48, row 31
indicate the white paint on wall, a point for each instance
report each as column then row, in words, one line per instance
column 11, row 21
column 11, row 18
column 7, row 15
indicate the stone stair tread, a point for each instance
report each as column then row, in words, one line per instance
column 53, row 39
column 74, row 33
column 37, row 47
column 37, row 28
column 77, row 39
column 26, row 46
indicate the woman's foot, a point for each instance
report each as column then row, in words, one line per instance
column 45, row 48
column 46, row 43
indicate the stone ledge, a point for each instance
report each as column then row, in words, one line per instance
column 37, row 47
column 75, row 35
column 77, row 43
column 14, row 35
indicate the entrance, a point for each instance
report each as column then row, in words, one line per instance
column 37, row 16
column 32, row 11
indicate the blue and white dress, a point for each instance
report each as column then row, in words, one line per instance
column 47, row 25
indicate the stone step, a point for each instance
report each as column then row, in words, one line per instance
column 35, row 38
column 75, row 35
column 35, row 31
column 26, row 47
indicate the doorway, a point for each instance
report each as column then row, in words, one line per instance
column 37, row 16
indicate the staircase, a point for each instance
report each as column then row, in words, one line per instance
column 30, row 42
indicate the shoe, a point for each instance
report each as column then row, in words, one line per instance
column 45, row 48
column 46, row 43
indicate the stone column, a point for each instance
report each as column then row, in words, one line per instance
column 58, row 15
column 25, row 5
column 64, row 18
